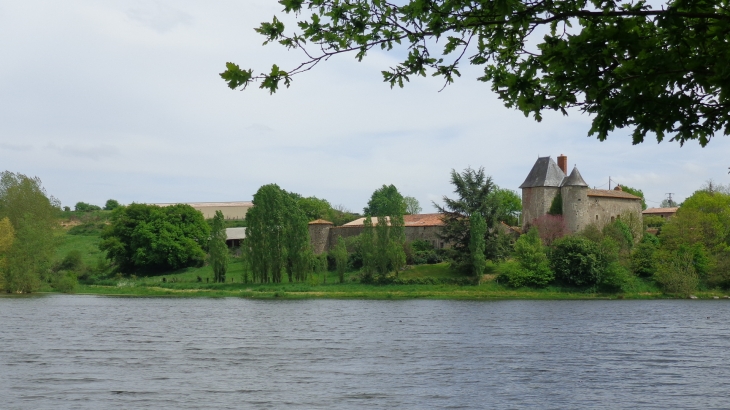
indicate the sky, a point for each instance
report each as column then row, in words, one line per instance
column 122, row 100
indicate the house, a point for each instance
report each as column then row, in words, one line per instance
column 665, row 213
column 234, row 236
column 581, row 206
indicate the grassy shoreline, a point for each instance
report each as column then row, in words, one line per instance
column 488, row 291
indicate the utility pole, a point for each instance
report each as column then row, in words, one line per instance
column 669, row 199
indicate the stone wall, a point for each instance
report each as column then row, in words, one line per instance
column 321, row 243
column 536, row 202
column 575, row 207
column 604, row 210
column 319, row 237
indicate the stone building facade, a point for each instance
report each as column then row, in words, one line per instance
column 581, row 205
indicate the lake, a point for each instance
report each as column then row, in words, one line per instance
column 87, row 352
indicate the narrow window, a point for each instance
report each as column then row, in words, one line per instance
column 596, row 217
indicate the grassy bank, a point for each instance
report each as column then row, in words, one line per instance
column 184, row 283
column 197, row 282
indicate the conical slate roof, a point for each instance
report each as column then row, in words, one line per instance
column 575, row 179
column 545, row 172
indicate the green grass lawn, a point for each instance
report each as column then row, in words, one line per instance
column 88, row 245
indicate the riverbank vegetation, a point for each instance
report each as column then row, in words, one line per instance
column 136, row 250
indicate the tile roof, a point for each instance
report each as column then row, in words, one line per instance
column 410, row 220
column 545, row 172
column 660, row 210
column 612, row 194
column 321, row 222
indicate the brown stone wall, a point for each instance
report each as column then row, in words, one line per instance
column 536, row 202
column 575, row 207
column 319, row 237
column 426, row 233
column 603, row 210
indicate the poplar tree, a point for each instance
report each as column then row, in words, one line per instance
column 217, row 248
column 477, row 244
column 339, row 252
column 277, row 236
column 368, row 250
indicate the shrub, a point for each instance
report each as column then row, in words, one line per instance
column 577, row 261
column 64, row 282
column 650, row 238
column 719, row 275
column 84, row 207
column 654, row 221
column 643, row 261
column 71, row 262
column 676, row 272
column 512, row 274
column 550, row 228
column 534, row 267
column 620, row 233
column 420, row 245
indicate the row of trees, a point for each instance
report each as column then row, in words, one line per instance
column 110, row 205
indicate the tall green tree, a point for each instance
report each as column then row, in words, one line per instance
column 217, row 248
column 277, row 236
column 368, row 250
column 149, row 238
column 476, row 243
column 32, row 214
column 339, row 253
column 509, row 206
column 412, row 206
column 475, row 192
column 111, row 204
column 657, row 68
column 385, row 201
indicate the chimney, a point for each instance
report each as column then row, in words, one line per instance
column 563, row 163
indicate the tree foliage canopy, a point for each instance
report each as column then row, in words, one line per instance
column 476, row 195
column 217, row 248
column 656, row 69
column 277, row 236
column 385, row 201
column 32, row 216
column 150, row 238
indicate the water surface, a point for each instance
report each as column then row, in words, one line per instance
column 99, row 352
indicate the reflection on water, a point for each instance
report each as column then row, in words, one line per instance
column 96, row 352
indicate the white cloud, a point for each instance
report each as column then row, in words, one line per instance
column 127, row 100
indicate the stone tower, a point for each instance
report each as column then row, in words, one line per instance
column 540, row 188
column 574, row 192
column 319, row 233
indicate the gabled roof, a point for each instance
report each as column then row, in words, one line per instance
column 409, row 220
column 612, row 194
column 545, row 172
column 575, row 179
